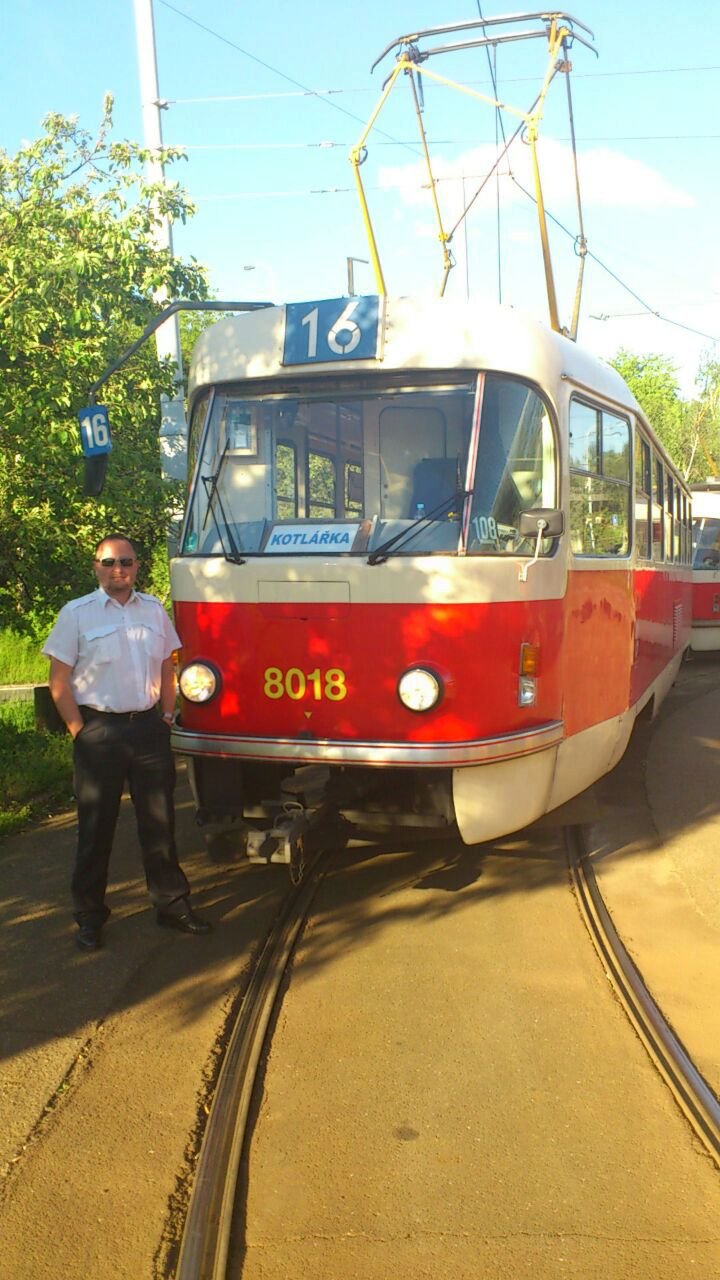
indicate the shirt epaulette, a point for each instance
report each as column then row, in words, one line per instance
column 81, row 600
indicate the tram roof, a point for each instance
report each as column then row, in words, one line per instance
column 418, row 333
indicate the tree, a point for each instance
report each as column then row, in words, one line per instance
column 689, row 430
column 79, row 271
column 653, row 381
column 705, row 423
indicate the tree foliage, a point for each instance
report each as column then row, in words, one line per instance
column 689, row 430
column 80, row 272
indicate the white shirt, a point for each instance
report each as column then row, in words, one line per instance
column 116, row 651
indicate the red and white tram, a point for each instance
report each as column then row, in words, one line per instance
column 433, row 566
column 706, row 567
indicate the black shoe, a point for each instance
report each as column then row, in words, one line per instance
column 89, row 938
column 187, row 922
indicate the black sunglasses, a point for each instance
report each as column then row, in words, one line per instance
column 109, row 561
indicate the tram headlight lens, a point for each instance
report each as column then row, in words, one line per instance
column 419, row 689
column 198, row 682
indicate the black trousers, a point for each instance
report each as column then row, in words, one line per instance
column 108, row 751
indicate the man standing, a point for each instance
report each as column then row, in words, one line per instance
column 113, row 683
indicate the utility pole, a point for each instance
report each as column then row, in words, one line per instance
column 173, row 427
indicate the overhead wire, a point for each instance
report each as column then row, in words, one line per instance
column 616, row 278
column 325, row 95
column 328, row 144
column 275, row 70
column 579, row 75
column 499, row 126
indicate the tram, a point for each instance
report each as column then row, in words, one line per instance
column 434, row 565
column 705, row 634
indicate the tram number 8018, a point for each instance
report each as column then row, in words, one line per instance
column 297, row 684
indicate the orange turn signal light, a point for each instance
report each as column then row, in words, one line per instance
column 529, row 659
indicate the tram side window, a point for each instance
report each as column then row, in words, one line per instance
column 321, row 485
column 669, row 508
column 642, row 497
column 599, row 449
column 687, row 532
column 353, row 489
column 657, row 510
column 286, row 497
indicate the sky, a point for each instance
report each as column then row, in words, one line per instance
column 268, row 100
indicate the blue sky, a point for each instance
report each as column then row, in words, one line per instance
column 277, row 214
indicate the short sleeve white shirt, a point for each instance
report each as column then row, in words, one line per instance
column 116, row 651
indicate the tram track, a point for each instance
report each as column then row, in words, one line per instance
column 206, row 1234
column 206, row 1240
column 690, row 1090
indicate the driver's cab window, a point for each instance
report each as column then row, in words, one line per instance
column 516, row 468
column 706, row 544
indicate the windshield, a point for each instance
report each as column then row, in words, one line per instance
column 706, row 543
column 350, row 470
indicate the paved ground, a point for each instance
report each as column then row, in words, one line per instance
column 656, row 854
column 92, row 1159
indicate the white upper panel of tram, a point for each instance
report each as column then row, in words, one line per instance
column 413, row 333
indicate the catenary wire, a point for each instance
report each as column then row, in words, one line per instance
column 324, row 96
column 276, row 71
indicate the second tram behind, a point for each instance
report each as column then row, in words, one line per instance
column 434, row 564
column 705, row 634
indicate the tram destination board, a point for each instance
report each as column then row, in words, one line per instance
column 333, row 329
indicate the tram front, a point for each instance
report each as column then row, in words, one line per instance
column 369, row 585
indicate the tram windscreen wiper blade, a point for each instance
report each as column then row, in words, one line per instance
column 233, row 555
column 379, row 555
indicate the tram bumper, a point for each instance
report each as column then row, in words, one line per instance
column 494, row 785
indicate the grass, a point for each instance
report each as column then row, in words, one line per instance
column 21, row 661
column 35, row 768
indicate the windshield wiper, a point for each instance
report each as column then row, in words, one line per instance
column 211, row 489
column 379, row 555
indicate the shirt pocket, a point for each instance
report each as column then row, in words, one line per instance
column 154, row 642
column 100, row 645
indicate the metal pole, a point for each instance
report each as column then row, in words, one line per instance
column 351, row 274
column 173, row 426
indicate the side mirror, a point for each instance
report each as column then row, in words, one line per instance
column 545, row 520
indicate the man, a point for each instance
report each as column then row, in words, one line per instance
column 113, row 683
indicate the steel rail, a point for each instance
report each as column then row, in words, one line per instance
column 689, row 1088
column 206, row 1234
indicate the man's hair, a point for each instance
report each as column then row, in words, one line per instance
column 117, row 537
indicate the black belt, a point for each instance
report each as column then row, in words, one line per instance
column 91, row 712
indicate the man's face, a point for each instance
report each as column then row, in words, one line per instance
column 118, row 579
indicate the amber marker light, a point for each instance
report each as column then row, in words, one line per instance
column 529, row 659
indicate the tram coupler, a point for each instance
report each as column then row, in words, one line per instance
column 296, row 837
column 285, row 841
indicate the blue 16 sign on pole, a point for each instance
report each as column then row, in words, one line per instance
column 95, row 430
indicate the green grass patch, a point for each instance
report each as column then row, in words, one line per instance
column 21, row 661
column 35, row 768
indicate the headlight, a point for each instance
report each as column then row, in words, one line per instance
column 419, row 689
column 198, row 682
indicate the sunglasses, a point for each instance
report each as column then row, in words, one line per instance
column 109, row 561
